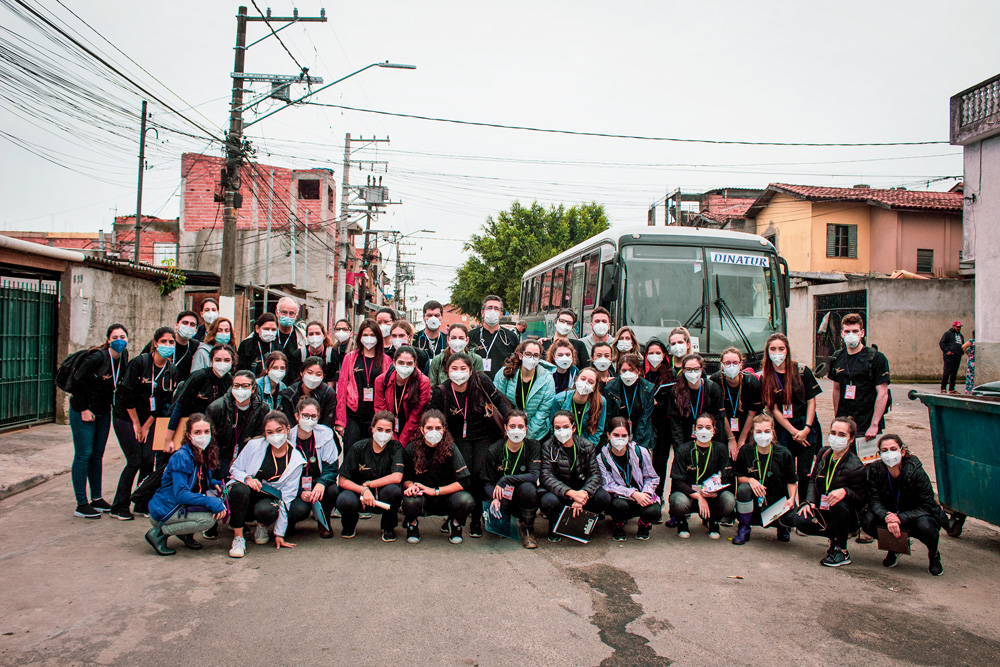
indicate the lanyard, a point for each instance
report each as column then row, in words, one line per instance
column 899, row 491
column 626, row 472
column 763, row 473
column 114, row 377
column 236, row 423
column 699, row 471
column 482, row 341
column 368, row 370
column 525, row 395
column 831, row 471
column 572, row 466
column 287, row 457
column 697, row 411
column 187, row 348
column 309, row 451
column 578, row 411
column 628, row 403
column 729, row 395
column 155, row 377
column 506, row 460
column 463, row 411
column 398, row 397
column 282, row 343
column 262, row 355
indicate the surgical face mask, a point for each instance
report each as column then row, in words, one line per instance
column 624, row 345
column 678, row 349
column 629, row 378
column 186, row 331
column 432, row 323
column 369, row 341
column 891, row 458
column 703, row 435
column 276, row 375
column 564, row 361
column 166, row 351
column 563, row 329
column 618, row 444
column 403, row 371
column 693, row 377
column 457, row 345
column 312, row 381
column 341, row 336
column 222, row 367
column 277, row 439
column 654, row 360
column 223, row 338
column 268, row 335
column 602, row 328
column 285, row 321
column 398, row 343
column 762, row 438
column 210, row 316
column 731, row 370
column 516, row 434
column 852, row 340
column 602, row 364
column 201, row 440
column 307, row 424
column 458, row 377
column 777, row 358
column 386, row 329
column 433, row 437
column 563, row 435
column 492, row 318
column 315, row 340
column 529, row 363
column 838, row 443
column 242, row 395
column 118, row 345
column 583, row 387
column 382, row 438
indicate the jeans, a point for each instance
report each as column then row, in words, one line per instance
column 841, row 520
column 950, row 372
column 89, row 440
column 623, row 509
column 349, row 505
column 457, row 506
column 185, row 523
column 924, row 528
column 681, row 505
column 300, row 510
column 523, row 504
column 243, row 499
column 552, row 505
column 138, row 460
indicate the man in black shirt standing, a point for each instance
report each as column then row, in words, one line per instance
column 951, row 349
column 860, row 378
column 491, row 341
column 431, row 340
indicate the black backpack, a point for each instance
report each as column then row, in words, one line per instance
column 67, row 369
column 873, row 351
column 147, row 488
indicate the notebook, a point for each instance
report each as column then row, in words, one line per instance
column 576, row 527
column 886, row 542
column 320, row 515
column 504, row 525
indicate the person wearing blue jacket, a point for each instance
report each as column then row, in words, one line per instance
column 528, row 386
column 632, row 396
column 182, row 505
column 586, row 405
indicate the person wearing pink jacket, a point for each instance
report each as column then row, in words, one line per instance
column 356, row 384
column 405, row 392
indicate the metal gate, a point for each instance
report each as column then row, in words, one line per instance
column 28, row 329
column 830, row 310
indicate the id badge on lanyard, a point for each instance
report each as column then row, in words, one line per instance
column 786, row 411
column 734, row 424
column 824, row 502
column 850, row 391
column 507, row 492
column 307, row 483
column 487, row 365
column 369, row 394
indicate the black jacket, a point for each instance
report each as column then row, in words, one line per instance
column 557, row 473
column 250, row 354
column 952, row 342
column 326, row 397
column 913, row 486
column 681, row 425
column 848, row 475
column 200, row 390
column 94, row 384
column 684, row 473
column 138, row 384
column 497, row 460
column 641, row 408
column 222, row 412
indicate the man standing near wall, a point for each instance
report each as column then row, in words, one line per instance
column 860, row 377
column 951, row 349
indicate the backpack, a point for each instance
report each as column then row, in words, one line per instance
column 147, row 488
column 67, row 369
column 871, row 371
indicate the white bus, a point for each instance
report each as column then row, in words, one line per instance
column 727, row 288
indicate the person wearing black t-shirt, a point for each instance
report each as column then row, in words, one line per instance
column 694, row 395
column 318, row 447
column 202, row 388
column 766, row 474
column 695, row 463
column 356, row 384
column 434, row 479
column 860, row 377
column 740, row 399
column 510, row 476
column 370, row 478
column 252, row 352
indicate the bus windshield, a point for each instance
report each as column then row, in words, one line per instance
column 724, row 297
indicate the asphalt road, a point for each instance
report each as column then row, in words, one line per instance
column 92, row 592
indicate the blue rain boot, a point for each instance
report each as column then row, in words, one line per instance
column 743, row 529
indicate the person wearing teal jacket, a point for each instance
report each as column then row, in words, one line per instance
column 586, row 405
column 528, row 386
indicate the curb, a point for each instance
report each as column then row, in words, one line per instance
column 29, row 483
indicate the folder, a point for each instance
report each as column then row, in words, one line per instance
column 576, row 528
column 771, row 513
column 270, row 490
column 320, row 515
column 504, row 526
column 886, row 542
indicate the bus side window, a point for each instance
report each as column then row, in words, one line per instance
column 557, row 287
column 522, row 304
column 546, row 291
column 535, row 296
column 609, row 288
column 590, row 290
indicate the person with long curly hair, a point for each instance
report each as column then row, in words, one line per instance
column 694, row 395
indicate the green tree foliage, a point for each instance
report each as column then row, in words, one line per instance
column 515, row 241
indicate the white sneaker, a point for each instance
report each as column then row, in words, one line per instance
column 260, row 536
column 239, row 548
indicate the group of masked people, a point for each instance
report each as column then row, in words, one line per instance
column 296, row 424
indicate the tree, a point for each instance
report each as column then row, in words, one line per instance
column 515, row 241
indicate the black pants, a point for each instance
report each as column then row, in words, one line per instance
column 841, row 520
column 523, row 504
column 474, row 453
column 804, row 454
column 457, row 506
column 682, row 504
column 924, row 528
column 357, row 428
column 349, row 505
column 225, row 463
column 661, row 455
column 552, row 505
column 300, row 510
column 623, row 509
column 138, row 461
column 950, row 372
column 246, row 504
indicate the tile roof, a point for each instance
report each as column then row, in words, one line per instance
column 894, row 199
column 732, row 209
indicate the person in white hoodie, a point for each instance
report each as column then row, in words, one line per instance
column 318, row 484
column 265, row 480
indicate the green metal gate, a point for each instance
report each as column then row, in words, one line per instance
column 28, row 329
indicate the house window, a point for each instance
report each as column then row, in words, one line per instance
column 330, row 197
column 925, row 261
column 842, row 241
column 308, row 189
column 164, row 254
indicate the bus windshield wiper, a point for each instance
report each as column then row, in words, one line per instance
column 697, row 319
column 726, row 313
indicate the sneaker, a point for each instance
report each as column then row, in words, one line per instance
column 260, row 535
column 444, row 527
column 935, row 567
column 642, row 532
column 123, row 516
column 553, row 536
column 618, row 531
column 336, row 513
column 212, row 533
column 365, row 515
column 727, row 521
column 713, row 530
column 412, row 533
column 863, row 538
column 86, row 511
column 456, row 533
column 836, row 557
column 891, row 559
column 239, row 548
column 100, row 505
column 348, row 535
column 389, row 535
column 144, row 512
column 476, row 527
column 682, row 529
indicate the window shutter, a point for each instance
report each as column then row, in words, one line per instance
column 852, row 240
column 925, row 261
column 831, row 240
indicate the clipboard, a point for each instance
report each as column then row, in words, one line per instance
column 320, row 515
column 576, row 528
column 771, row 513
column 160, row 426
column 503, row 525
column 270, row 490
column 886, row 542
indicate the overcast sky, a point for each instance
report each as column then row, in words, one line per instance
column 790, row 71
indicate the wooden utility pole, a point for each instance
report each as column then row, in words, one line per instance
column 138, row 194
column 231, row 177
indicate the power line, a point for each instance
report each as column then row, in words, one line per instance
column 276, row 36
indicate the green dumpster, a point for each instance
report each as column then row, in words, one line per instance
column 965, row 431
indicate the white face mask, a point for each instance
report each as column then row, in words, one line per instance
column 629, row 378
column 703, row 435
column 458, row 377
column 276, row 375
column 515, row 434
column 678, row 349
column 693, row 377
column 210, row 316
column 268, row 335
column 403, row 371
column 892, row 457
column 433, row 437
column 762, row 438
column 852, row 340
column 492, row 318
column 731, row 370
column 369, row 341
column 563, row 435
column 602, row 328
column 381, row 438
column 654, row 360
column 602, row 364
column 222, row 367
column 386, row 329
column 398, row 343
column 277, row 439
column 564, row 361
column 432, row 323
column 838, row 443
column 242, row 395
column 624, row 345
column 618, row 444
column 583, row 387
column 186, row 332
column 529, row 363
column 341, row 336
column 777, row 358
column 201, row 441
column 307, row 424
column 563, row 329
column 457, row 345
column 315, row 340
column 312, row 381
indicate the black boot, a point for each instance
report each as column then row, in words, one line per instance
column 158, row 541
column 188, row 541
column 526, row 529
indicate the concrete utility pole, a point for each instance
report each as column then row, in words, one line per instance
column 305, row 257
column 340, row 301
column 138, row 194
column 267, row 250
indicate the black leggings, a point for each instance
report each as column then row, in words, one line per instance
column 841, row 520
column 552, row 505
column 474, row 453
column 804, row 454
column 523, row 504
column 300, row 510
column 138, row 461
column 457, row 506
column 243, row 500
column 349, row 505
column 623, row 509
column 925, row 528
column 357, row 428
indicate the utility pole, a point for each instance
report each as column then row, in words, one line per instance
column 292, row 231
column 340, row 300
column 138, row 194
column 364, row 263
column 305, row 257
column 231, row 178
column 267, row 250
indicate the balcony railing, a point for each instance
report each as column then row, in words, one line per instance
column 975, row 113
